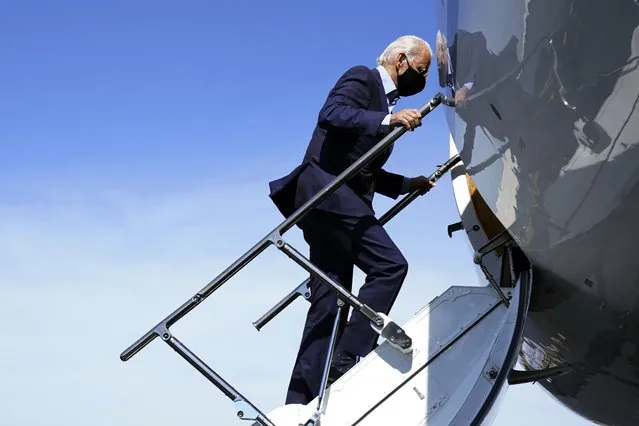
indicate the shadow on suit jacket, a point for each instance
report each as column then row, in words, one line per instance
column 349, row 125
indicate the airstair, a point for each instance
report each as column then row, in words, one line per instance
column 446, row 366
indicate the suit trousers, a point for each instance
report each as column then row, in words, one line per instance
column 337, row 243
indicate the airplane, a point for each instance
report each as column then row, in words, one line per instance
column 550, row 143
column 540, row 99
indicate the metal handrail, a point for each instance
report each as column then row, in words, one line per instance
column 274, row 237
column 303, row 290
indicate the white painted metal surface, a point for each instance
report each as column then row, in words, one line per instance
column 464, row 345
column 472, row 226
column 454, row 338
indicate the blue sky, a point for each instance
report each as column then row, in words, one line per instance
column 138, row 139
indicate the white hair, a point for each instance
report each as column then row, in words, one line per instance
column 410, row 45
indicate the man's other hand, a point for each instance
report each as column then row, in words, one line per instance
column 420, row 183
column 461, row 97
column 409, row 118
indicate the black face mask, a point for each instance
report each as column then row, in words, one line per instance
column 411, row 82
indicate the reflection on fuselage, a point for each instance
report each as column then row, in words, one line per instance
column 549, row 134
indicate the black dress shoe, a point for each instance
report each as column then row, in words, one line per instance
column 341, row 363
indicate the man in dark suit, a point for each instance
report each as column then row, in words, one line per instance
column 343, row 231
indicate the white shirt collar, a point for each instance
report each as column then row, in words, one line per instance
column 387, row 82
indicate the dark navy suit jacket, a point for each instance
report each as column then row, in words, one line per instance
column 349, row 124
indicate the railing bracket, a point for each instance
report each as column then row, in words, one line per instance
column 517, row 377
